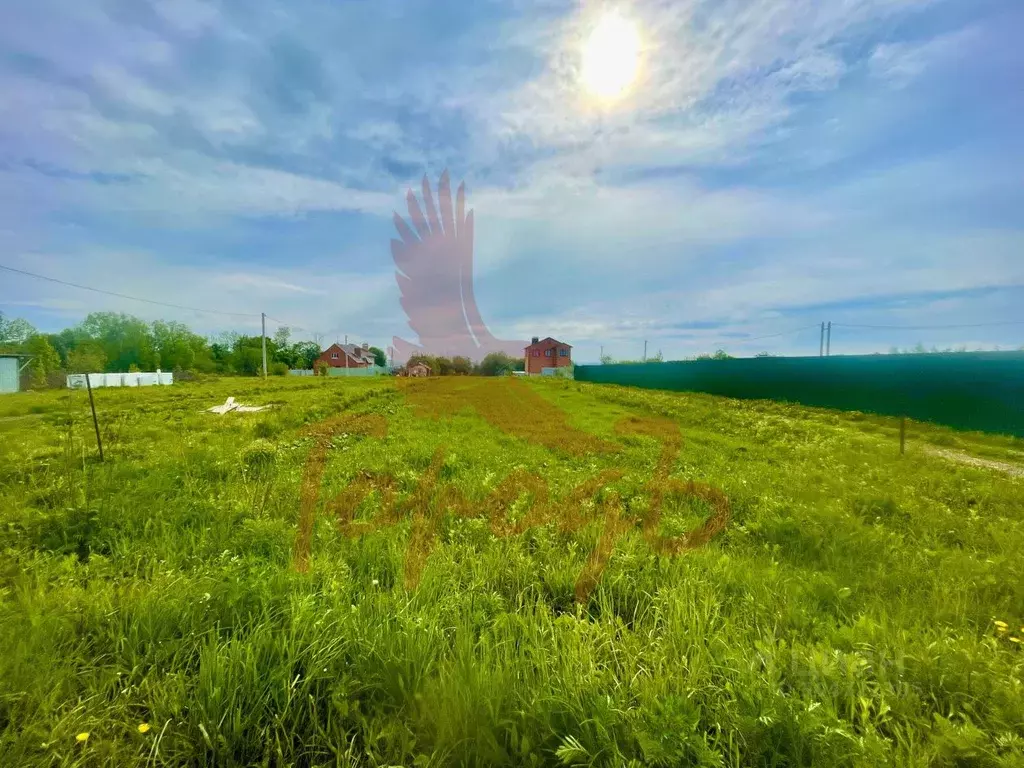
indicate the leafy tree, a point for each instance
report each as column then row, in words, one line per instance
column 220, row 357
column 720, row 354
column 379, row 358
column 499, row 363
column 305, row 353
column 125, row 339
column 461, row 366
column 45, row 360
column 247, row 355
column 281, row 336
column 178, row 348
column 14, row 332
column 87, row 357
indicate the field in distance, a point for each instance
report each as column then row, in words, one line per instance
column 476, row 571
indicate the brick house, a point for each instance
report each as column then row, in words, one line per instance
column 346, row 356
column 547, row 353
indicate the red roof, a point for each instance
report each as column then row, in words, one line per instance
column 549, row 342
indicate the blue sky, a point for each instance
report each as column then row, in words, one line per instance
column 777, row 163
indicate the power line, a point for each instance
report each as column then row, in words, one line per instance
column 780, row 333
column 928, row 327
column 126, row 296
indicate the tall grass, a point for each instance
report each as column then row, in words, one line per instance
column 845, row 615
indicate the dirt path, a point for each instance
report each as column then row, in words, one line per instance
column 1014, row 470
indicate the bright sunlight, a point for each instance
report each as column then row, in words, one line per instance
column 611, row 57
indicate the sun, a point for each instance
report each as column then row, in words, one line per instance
column 611, row 57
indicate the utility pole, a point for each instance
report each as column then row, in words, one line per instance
column 645, row 350
column 263, row 321
column 602, row 353
column 828, row 340
column 821, row 346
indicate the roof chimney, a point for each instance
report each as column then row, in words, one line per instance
column 535, row 339
column 365, row 345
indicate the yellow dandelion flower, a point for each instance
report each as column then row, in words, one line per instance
column 82, row 737
column 1001, row 624
column 1015, row 640
column 143, row 727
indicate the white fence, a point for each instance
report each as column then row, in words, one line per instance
column 77, row 380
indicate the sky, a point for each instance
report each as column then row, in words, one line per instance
column 776, row 164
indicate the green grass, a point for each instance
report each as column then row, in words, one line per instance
column 845, row 617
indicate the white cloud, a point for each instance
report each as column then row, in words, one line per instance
column 132, row 91
column 190, row 16
column 899, row 64
column 341, row 302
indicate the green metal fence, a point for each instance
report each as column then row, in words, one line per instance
column 370, row 370
column 969, row 390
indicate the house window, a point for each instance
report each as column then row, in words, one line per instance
column 536, row 353
column 547, row 353
column 563, row 353
column 334, row 355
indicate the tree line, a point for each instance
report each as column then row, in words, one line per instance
column 115, row 342
column 492, row 364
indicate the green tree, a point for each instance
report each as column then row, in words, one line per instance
column 247, row 355
column 379, row 358
column 87, row 357
column 720, row 354
column 14, row 332
column 177, row 347
column 499, row 364
column 44, row 362
column 126, row 340
column 461, row 366
column 305, row 354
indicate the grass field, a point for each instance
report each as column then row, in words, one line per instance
column 498, row 572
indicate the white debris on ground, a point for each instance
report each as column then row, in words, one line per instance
column 231, row 405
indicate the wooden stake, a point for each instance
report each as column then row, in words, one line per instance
column 903, row 435
column 95, row 421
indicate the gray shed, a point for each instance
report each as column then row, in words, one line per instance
column 10, row 373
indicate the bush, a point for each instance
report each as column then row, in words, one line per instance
column 278, row 369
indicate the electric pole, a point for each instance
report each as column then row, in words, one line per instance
column 821, row 346
column 645, row 350
column 828, row 340
column 263, row 322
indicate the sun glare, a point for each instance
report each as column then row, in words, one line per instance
column 611, row 57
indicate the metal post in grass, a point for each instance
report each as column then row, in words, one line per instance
column 903, row 435
column 263, row 326
column 95, row 421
